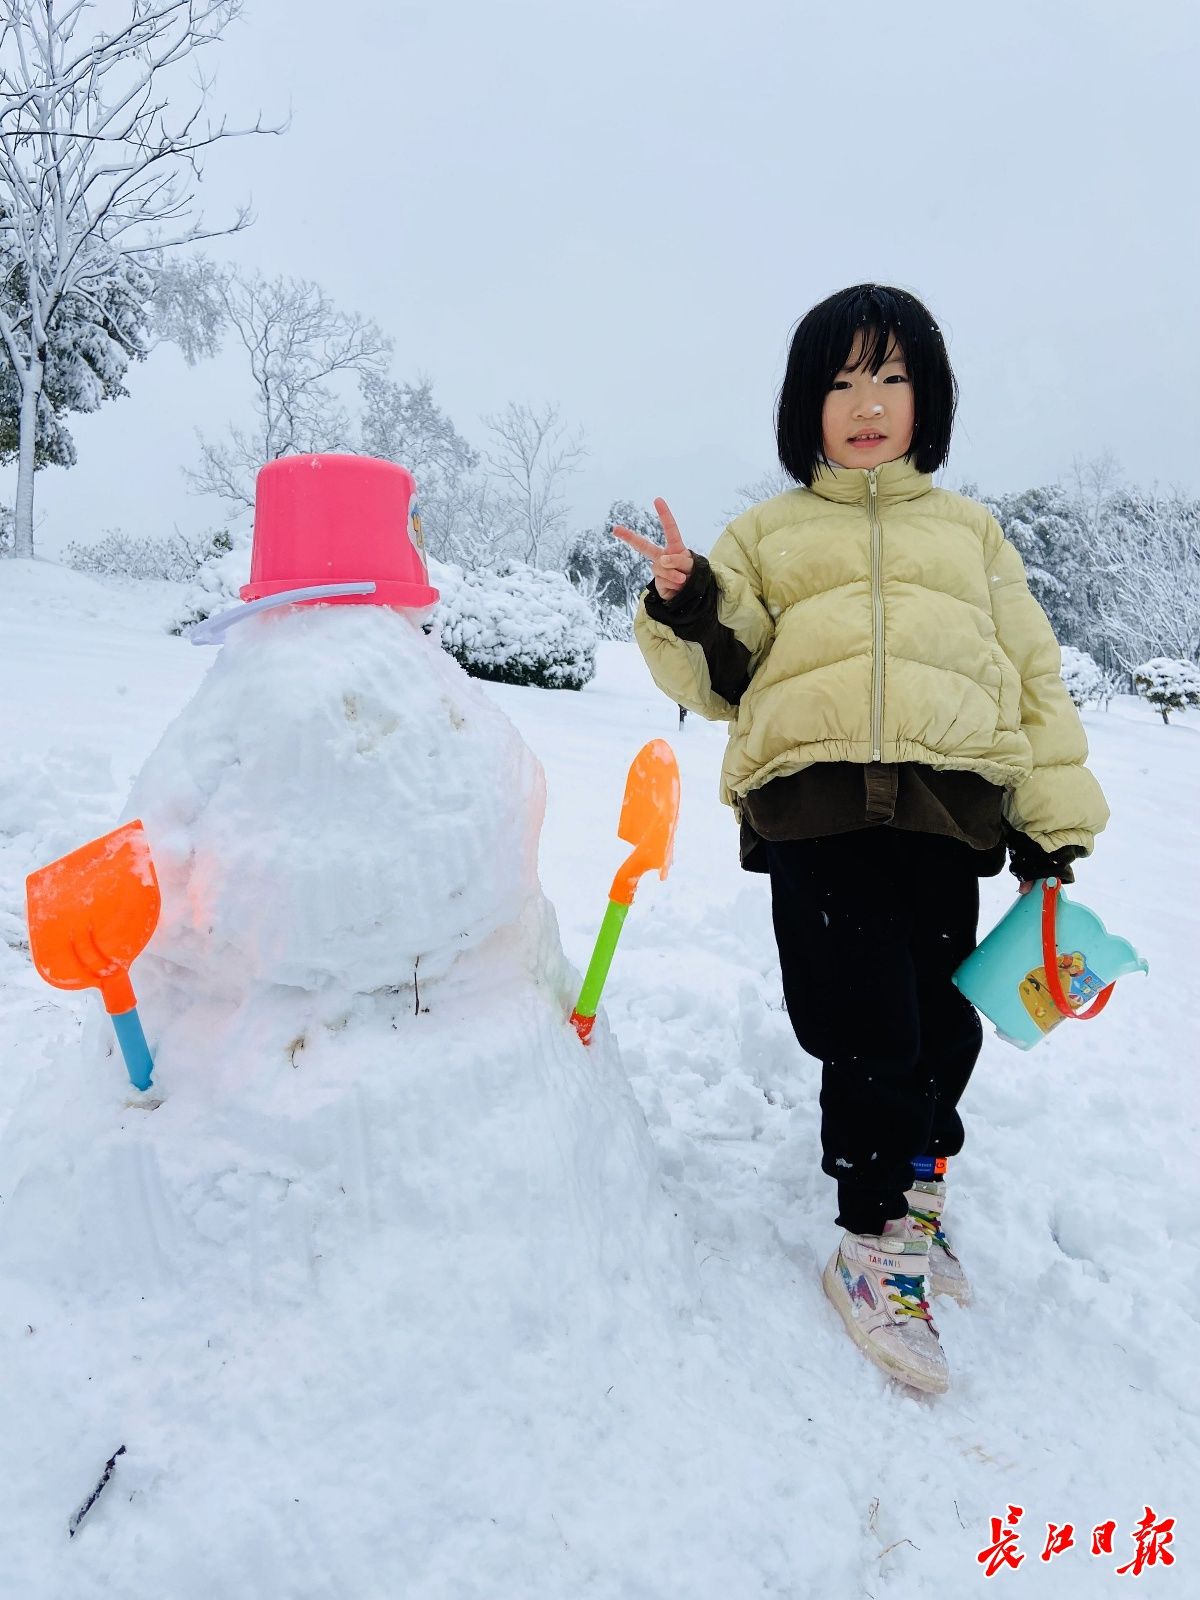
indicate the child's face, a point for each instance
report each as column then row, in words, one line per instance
column 861, row 403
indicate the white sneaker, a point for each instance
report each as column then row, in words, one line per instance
column 926, row 1201
column 877, row 1283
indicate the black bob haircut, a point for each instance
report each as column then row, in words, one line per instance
column 820, row 349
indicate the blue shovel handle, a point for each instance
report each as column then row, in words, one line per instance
column 138, row 1060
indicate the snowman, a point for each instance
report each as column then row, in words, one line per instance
column 388, row 1212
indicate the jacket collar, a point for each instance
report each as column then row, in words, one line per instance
column 894, row 480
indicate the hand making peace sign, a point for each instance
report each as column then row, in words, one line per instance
column 671, row 565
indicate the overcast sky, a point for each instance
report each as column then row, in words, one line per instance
column 625, row 207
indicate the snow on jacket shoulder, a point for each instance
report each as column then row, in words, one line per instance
column 888, row 621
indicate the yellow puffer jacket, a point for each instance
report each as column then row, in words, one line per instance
column 888, row 621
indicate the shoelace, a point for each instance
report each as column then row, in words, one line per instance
column 909, row 1296
column 929, row 1224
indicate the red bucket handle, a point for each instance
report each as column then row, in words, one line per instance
column 1050, row 888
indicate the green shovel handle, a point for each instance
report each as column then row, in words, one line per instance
column 606, row 944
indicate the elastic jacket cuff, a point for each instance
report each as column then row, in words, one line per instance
column 1028, row 861
column 696, row 602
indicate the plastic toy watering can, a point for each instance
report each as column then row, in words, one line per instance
column 1047, row 959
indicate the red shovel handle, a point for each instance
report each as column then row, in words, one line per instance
column 1050, row 889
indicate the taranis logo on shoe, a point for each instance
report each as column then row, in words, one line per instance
column 893, row 1260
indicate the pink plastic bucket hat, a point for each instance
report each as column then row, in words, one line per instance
column 331, row 530
column 330, row 520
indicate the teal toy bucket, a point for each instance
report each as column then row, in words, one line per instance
column 1045, row 960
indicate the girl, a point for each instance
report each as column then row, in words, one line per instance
column 896, row 718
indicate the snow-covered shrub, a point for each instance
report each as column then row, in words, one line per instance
column 1085, row 682
column 216, row 583
column 7, row 524
column 175, row 557
column 518, row 624
column 1167, row 684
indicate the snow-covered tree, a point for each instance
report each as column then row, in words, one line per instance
column 1045, row 526
column 99, row 156
column 403, row 422
column 1150, row 552
column 1168, row 685
column 529, row 456
column 297, row 344
column 91, row 338
column 1093, row 483
column 488, row 531
column 615, row 572
column 1137, row 573
column 188, row 307
column 610, row 622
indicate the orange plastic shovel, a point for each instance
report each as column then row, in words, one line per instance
column 90, row 913
column 648, row 815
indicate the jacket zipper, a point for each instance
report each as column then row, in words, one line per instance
column 877, row 619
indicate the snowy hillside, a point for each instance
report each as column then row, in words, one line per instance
column 554, row 1341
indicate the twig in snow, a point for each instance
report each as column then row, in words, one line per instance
column 958, row 1514
column 73, row 1525
column 893, row 1545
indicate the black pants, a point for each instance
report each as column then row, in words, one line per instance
column 870, row 925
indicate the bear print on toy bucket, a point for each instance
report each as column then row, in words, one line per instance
column 1047, row 959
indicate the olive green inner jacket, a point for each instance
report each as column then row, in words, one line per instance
column 886, row 621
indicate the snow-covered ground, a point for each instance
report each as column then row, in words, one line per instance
column 709, row 1431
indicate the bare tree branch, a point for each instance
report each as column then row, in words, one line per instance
column 531, row 454
column 297, row 343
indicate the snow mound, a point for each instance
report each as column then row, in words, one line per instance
column 389, row 1213
column 338, row 805
column 42, row 800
